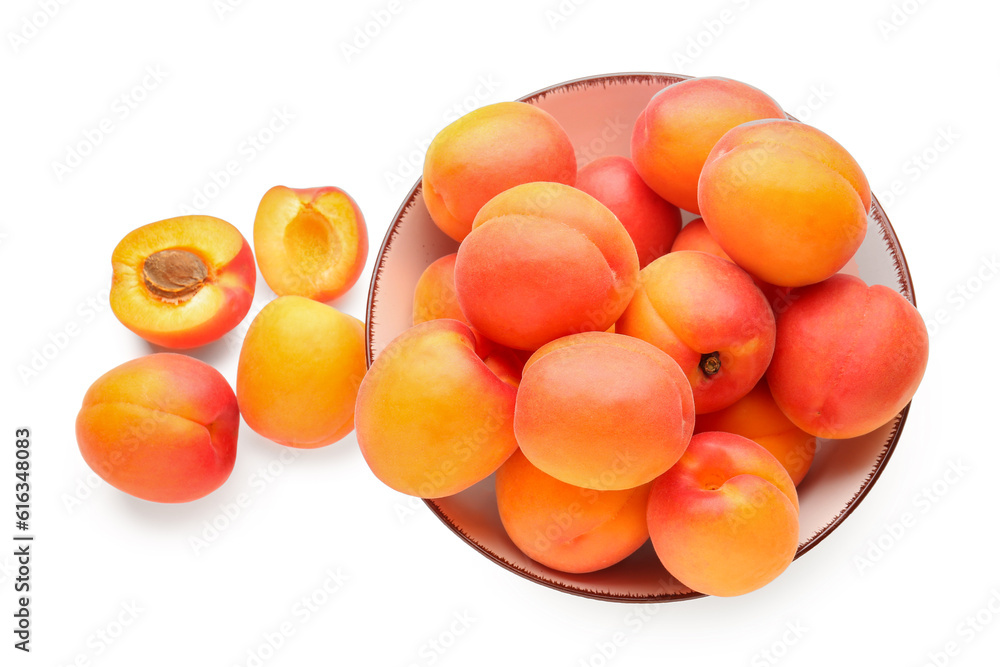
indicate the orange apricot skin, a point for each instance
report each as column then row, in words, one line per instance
column 544, row 260
column 161, row 427
column 293, row 223
column 487, row 151
column 506, row 363
column 432, row 417
column 756, row 416
column 213, row 311
column 651, row 221
column 785, row 201
column 676, row 131
column 695, row 236
column 299, row 370
column 725, row 519
column 434, row 297
column 603, row 411
column 566, row 527
column 691, row 304
column 848, row 357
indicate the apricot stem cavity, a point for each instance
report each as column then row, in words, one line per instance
column 710, row 364
column 174, row 275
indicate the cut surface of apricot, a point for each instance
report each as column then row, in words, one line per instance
column 310, row 242
column 182, row 282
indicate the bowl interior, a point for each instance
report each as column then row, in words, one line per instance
column 598, row 113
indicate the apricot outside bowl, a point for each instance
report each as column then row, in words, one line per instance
column 598, row 113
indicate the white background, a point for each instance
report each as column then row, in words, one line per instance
column 887, row 92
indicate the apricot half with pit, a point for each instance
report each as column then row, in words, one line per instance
column 182, row 282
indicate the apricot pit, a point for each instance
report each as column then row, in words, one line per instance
column 174, row 275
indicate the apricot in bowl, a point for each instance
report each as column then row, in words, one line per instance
column 529, row 238
column 466, row 166
column 433, row 417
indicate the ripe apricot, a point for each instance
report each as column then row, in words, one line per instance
column 710, row 317
column 432, row 417
column 676, row 131
column 299, row 370
column 310, row 242
column 161, row 427
column 785, row 201
column 434, row 297
column 756, row 416
column 182, row 282
column 544, row 260
column 848, row 357
column 650, row 220
column 725, row 519
column 603, row 411
column 487, row 151
column 566, row 527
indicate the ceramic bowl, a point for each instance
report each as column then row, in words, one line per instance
column 598, row 113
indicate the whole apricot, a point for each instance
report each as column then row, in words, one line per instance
column 299, row 370
column 161, row 427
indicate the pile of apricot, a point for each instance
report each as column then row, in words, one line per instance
column 624, row 378
column 163, row 427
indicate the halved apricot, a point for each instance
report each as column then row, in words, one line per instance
column 310, row 242
column 182, row 282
